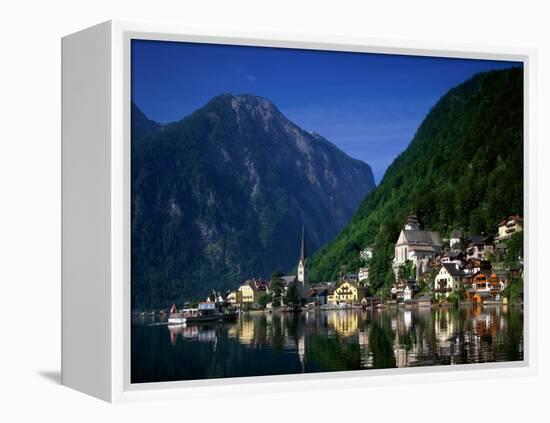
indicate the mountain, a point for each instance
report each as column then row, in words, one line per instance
column 141, row 125
column 463, row 169
column 222, row 195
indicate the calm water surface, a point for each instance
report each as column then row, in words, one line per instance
column 320, row 341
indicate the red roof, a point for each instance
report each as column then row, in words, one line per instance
column 515, row 218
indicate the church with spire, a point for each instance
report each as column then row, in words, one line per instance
column 303, row 277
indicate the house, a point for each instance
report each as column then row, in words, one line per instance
column 456, row 238
column 252, row 290
column 318, row 295
column 450, row 278
column 484, row 285
column 363, row 274
column 416, row 245
column 348, row 292
column 509, row 226
column 353, row 277
column 453, row 256
column 235, row 297
column 401, row 285
column 366, row 254
column 330, row 295
column 478, row 245
column 474, row 265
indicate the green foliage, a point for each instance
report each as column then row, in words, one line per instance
column 408, row 270
column 456, row 297
column 277, row 287
column 514, row 290
column 514, row 249
column 265, row 300
column 463, row 169
column 292, row 296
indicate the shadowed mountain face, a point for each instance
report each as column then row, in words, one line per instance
column 221, row 196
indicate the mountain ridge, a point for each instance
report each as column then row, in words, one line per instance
column 221, row 196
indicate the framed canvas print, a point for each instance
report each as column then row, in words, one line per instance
column 257, row 211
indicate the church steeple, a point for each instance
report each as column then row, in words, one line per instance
column 303, row 278
column 303, row 253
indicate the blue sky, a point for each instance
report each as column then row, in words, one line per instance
column 369, row 105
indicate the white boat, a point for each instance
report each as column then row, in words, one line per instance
column 179, row 317
column 176, row 319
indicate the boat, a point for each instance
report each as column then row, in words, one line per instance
column 179, row 317
column 207, row 311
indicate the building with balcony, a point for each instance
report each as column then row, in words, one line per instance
column 509, row 226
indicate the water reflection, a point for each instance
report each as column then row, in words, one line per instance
column 314, row 341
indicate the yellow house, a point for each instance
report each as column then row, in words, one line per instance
column 252, row 290
column 349, row 292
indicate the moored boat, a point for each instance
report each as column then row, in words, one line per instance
column 207, row 311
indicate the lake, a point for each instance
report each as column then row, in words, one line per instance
column 322, row 341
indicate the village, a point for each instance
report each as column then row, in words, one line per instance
column 465, row 269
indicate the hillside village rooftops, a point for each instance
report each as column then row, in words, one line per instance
column 453, row 269
column 289, row 279
column 422, row 237
column 421, row 248
column 479, row 239
column 257, row 285
column 517, row 219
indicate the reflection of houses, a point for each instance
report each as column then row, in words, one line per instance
column 246, row 331
column 344, row 323
column 366, row 359
column 509, row 226
column 449, row 279
column 416, row 245
column 348, row 292
column 193, row 332
column 444, row 330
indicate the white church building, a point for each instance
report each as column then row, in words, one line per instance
column 417, row 246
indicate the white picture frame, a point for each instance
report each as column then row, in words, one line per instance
column 96, row 213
